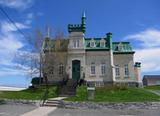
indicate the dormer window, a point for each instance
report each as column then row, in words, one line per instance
column 102, row 43
column 92, row 43
column 120, row 47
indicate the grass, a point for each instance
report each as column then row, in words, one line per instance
column 28, row 94
column 102, row 94
column 153, row 87
column 116, row 94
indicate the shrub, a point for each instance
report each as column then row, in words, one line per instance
column 36, row 80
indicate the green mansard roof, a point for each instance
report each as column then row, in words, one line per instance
column 122, row 47
column 117, row 47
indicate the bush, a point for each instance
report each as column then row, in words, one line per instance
column 36, row 80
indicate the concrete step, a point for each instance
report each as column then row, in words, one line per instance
column 53, row 103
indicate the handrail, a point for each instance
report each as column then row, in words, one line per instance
column 45, row 96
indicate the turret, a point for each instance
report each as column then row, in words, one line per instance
column 137, row 69
column 83, row 22
column 46, row 42
column 109, row 39
column 78, row 27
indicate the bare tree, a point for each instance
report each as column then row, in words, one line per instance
column 30, row 60
column 47, row 57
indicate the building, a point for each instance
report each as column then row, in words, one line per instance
column 100, row 61
column 150, row 80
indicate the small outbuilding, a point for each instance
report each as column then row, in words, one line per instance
column 150, row 80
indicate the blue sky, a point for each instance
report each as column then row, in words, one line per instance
column 136, row 21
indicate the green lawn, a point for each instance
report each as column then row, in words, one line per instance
column 153, row 87
column 28, row 94
column 115, row 94
column 102, row 94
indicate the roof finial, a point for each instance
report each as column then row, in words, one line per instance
column 48, row 32
column 84, row 15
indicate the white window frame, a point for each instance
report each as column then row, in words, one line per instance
column 93, row 69
column 126, row 70
column 102, row 43
column 120, row 47
column 117, row 70
column 103, row 69
column 92, row 43
column 76, row 43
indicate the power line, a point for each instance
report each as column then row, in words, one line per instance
column 13, row 23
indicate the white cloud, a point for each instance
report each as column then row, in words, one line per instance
column 148, row 38
column 17, row 4
column 148, row 55
column 10, row 44
column 149, row 58
column 30, row 17
column 8, row 27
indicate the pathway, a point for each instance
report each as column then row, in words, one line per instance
column 42, row 111
column 157, row 92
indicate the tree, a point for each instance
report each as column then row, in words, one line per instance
column 47, row 56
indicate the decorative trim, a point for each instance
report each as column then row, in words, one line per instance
column 96, row 49
column 124, row 52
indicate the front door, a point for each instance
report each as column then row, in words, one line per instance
column 76, row 70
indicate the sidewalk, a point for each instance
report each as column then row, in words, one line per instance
column 43, row 111
column 157, row 92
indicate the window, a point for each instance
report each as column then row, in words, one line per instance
column 126, row 71
column 76, row 43
column 117, row 71
column 102, row 43
column 61, row 69
column 93, row 69
column 51, row 70
column 92, row 43
column 103, row 69
column 120, row 47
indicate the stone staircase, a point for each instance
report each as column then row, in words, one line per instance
column 53, row 103
column 69, row 89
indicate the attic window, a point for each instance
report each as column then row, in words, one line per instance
column 102, row 43
column 120, row 47
column 92, row 43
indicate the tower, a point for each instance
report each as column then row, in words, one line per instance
column 83, row 22
column 137, row 69
column 78, row 27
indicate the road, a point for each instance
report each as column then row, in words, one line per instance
column 71, row 112
column 17, row 110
